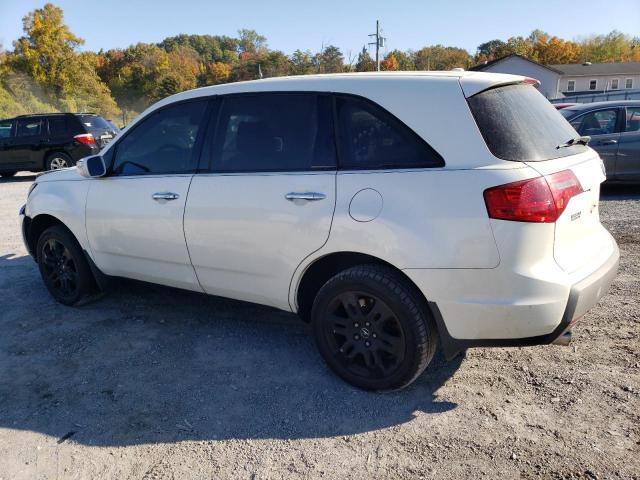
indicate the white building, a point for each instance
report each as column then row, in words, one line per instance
column 559, row 81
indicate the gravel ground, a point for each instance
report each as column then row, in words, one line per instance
column 155, row 383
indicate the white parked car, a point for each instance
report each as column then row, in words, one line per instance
column 392, row 211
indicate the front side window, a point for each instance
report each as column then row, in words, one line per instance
column 28, row 127
column 161, row 143
column 614, row 84
column 371, row 138
column 5, row 129
column 593, row 84
column 602, row 122
column 628, row 83
column 571, row 85
column 274, row 132
column 633, row 119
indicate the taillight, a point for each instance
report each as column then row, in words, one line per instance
column 85, row 139
column 541, row 199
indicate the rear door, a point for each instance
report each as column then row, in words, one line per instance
column 603, row 128
column 628, row 161
column 266, row 197
column 28, row 142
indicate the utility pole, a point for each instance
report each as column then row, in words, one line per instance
column 378, row 43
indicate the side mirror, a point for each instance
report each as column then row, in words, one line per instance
column 92, row 167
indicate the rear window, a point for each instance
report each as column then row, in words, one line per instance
column 93, row 122
column 519, row 124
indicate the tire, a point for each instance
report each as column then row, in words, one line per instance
column 58, row 160
column 7, row 174
column 383, row 343
column 63, row 266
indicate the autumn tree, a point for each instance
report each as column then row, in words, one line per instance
column 365, row 63
column 390, row 63
column 439, row 57
column 329, row 60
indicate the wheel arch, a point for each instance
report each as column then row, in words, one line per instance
column 317, row 273
column 39, row 224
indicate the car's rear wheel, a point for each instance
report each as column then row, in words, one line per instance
column 58, row 160
column 63, row 266
column 7, row 174
column 372, row 328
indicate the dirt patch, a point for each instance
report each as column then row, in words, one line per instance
column 155, row 383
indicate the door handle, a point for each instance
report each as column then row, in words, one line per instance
column 165, row 196
column 309, row 196
column 608, row 142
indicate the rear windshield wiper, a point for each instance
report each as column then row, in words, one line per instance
column 575, row 141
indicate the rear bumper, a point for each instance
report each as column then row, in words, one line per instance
column 582, row 296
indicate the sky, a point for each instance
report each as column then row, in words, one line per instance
column 307, row 25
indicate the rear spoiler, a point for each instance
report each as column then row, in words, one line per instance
column 480, row 81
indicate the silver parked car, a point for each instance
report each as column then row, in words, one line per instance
column 614, row 128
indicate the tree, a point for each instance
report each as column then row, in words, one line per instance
column 365, row 63
column 390, row 63
column 47, row 53
column 329, row 60
column 251, row 42
column 301, row 62
column 404, row 59
column 439, row 57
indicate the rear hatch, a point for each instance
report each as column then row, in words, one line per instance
column 518, row 124
column 99, row 128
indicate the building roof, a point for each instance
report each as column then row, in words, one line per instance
column 581, row 69
column 483, row 66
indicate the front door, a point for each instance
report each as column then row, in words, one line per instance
column 628, row 161
column 267, row 198
column 134, row 215
column 602, row 127
column 24, row 148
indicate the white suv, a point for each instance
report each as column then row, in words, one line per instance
column 392, row 211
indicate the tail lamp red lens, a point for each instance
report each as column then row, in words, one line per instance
column 541, row 199
column 85, row 139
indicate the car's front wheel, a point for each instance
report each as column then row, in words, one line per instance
column 372, row 328
column 63, row 266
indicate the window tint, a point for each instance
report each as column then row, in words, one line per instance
column 633, row 119
column 372, row 138
column 57, row 126
column 519, row 124
column 274, row 132
column 5, row 129
column 163, row 142
column 94, row 122
column 28, row 127
column 601, row 122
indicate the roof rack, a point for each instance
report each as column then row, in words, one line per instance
column 53, row 113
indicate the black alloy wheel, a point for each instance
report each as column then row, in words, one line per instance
column 373, row 328
column 63, row 266
column 365, row 335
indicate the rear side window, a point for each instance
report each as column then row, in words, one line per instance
column 519, row 124
column 57, row 126
column 633, row 119
column 371, row 138
column 5, row 129
column 162, row 142
column 274, row 132
column 28, row 127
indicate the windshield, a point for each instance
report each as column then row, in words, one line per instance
column 519, row 124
